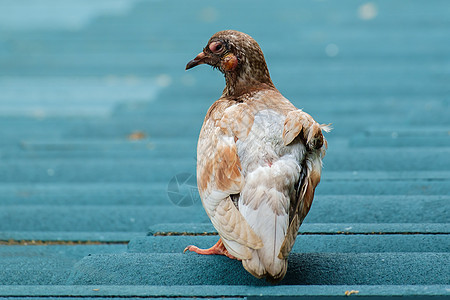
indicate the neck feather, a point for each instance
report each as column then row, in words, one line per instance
column 248, row 78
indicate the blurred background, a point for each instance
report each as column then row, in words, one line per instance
column 99, row 121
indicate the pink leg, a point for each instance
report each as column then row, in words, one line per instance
column 217, row 249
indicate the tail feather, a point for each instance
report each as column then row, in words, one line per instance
column 264, row 203
column 272, row 230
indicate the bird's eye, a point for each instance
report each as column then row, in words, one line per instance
column 216, row 47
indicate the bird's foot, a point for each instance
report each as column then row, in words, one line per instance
column 217, row 249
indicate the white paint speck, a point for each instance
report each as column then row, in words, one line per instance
column 209, row 14
column 39, row 114
column 332, row 50
column 163, row 80
column 367, row 11
column 188, row 80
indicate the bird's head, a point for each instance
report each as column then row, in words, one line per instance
column 239, row 57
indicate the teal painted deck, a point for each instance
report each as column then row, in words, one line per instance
column 97, row 116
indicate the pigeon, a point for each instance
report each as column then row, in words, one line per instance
column 259, row 160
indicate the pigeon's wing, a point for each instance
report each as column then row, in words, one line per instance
column 219, row 176
column 309, row 179
column 300, row 123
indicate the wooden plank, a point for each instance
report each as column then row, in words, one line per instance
column 125, row 218
column 135, row 169
column 49, row 265
column 313, row 228
column 220, row 291
column 304, row 269
column 422, row 190
column 309, row 243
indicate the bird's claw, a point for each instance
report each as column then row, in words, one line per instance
column 217, row 249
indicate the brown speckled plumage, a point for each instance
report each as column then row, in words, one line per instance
column 259, row 159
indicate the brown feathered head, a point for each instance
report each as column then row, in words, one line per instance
column 239, row 57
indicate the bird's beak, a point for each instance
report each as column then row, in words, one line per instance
column 198, row 60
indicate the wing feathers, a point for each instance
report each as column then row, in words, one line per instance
column 297, row 123
column 234, row 227
column 305, row 198
column 219, row 176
